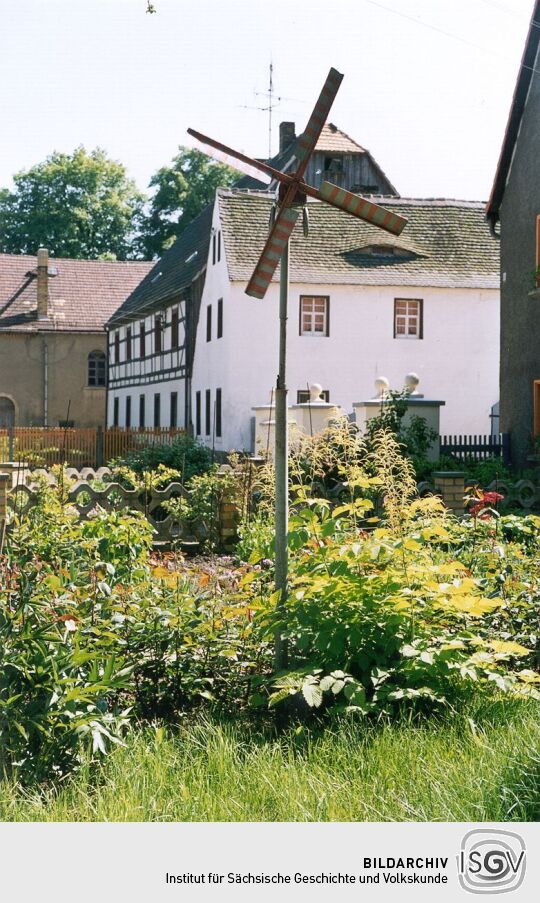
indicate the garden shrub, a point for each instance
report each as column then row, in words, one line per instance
column 94, row 632
column 375, row 618
column 184, row 454
column 412, row 607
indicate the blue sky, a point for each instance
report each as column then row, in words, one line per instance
column 431, row 106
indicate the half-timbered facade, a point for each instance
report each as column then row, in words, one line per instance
column 150, row 337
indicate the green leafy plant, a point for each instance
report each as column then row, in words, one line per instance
column 185, row 455
column 387, row 616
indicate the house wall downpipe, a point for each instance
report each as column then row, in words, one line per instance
column 45, row 382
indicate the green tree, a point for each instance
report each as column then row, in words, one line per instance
column 183, row 189
column 77, row 205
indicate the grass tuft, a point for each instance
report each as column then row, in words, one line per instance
column 482, row 764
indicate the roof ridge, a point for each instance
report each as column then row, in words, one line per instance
column 70, row 259
column 388, row 198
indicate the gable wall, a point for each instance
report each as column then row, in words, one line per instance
column 358, row 170
column 215, row 362
column 520, row 314
column 22, row 377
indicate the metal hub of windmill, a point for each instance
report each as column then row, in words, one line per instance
column 292, row 194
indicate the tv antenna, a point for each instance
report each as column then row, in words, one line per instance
column 272, row 101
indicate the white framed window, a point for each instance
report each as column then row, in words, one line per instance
column 408, row 318
column 315, row 315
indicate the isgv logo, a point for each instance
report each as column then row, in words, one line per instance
column 491, row 861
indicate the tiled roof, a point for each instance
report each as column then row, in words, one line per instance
column 82, row 296
column 334, row 140
column 173, row 272
column 446, row 243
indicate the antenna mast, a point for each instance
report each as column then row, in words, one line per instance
column 270, row 107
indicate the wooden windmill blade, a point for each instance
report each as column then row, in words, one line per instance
column 272, row 251
column 308, row 139
column 294, row 189
column 246, row 165
column 362, row 208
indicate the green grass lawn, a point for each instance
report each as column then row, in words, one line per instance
column 482, row 764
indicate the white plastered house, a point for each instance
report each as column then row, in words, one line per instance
column 363, row 304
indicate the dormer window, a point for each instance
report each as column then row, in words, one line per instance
column 382, row 251
column 385, row 250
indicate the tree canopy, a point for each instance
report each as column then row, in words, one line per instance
column 83, row 205
column 77, row 205
column 183, row 189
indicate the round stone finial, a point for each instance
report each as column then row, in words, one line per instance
column 382, row 387
column 411, row 383
column 315, row 391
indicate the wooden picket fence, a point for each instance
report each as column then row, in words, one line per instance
column 477, row 448
column 78, row 447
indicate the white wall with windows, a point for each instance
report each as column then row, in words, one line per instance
column 341, row 336
column 126, row 409
column 344, row 337
column 213, row 398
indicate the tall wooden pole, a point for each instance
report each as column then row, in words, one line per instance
column 281, row 457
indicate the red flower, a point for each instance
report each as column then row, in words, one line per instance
column 485, row 500
column 491, row 498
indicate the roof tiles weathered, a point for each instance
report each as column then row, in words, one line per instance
column 446, row 243
column 82, row 295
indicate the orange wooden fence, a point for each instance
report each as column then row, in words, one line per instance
column 44, row 446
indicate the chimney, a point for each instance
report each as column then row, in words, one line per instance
column 286, row 135
column 42, row 283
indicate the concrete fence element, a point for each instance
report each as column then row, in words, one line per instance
column 87, row 498
column 428, row 409
column 306, row 418
column 265, row 430
column 450, row 485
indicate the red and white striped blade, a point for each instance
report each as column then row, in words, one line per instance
column 363, row 209
column 308, row 139
column 271, row 255
column 233, row 158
